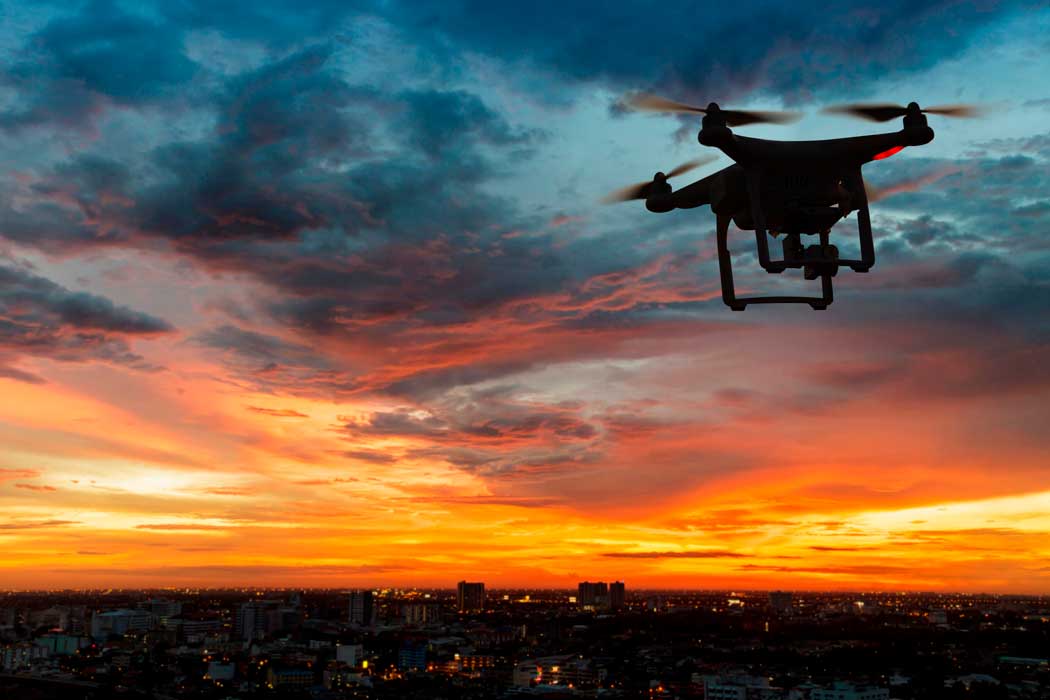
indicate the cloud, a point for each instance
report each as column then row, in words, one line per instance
column 36, row 524
column 21, row 375
column 182, row 526
column 517, row 502
column 689, row 554
column 278, row 412
column 860, row 570
column 8, row 474
column 703, row 51
column 377, row 230
column 227, row 491
column 39, row 318
column 370, row 456
column 241, row 573
column 487, row 433
column 35, row 487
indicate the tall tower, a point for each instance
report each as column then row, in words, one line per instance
column 592, row 594
column 470, row 596
column 362, row 608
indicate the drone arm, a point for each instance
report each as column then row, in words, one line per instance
column 694, row 195
column 689, row 197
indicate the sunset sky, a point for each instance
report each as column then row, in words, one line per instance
column 321, row 294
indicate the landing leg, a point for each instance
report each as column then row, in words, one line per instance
column 725, row 269
column 725, row 264
column 867, row 242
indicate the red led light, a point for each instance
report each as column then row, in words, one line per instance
column 890, row 152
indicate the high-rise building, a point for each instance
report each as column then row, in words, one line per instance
column 592, row 594
column 362, row 608
column 470, row 597
column 420, row 613
column 617, row 595
column 780, row 601
column 256, row 619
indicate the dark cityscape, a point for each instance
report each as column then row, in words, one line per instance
column 601, row 640
column 468, row 350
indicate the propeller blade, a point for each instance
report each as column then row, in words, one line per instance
column 737, row 117
column 641, row 190
column 874, row 194
column 966, row 111
column 886, row 112
column 653, row 103
column 626, row 194
column 911, row 184
column 734, row 117
column 691, row 165
column 871, row 112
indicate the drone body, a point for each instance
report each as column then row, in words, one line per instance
column 789, row 188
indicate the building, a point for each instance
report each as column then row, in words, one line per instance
column 848, row 691
column 740, row 687
column 617, row 595
column 592, row 595
column 221, row 671
column 14, row 657
column 61, row 644
column 350, row 654
column 162, row 608
column 420, row 614
column 470, row 597
column 338, row 675
column 193, row 631
column 412, row 656
column 362, row 608
column 55, row 618
column 780, row 601
column 119, row 623
column 568, row 670
column 282, row 678
column 256, row 619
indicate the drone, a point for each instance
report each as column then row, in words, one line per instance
column 789, row 188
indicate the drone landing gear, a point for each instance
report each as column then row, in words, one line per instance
column 725, row 267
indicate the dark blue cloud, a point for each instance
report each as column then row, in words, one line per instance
column 39, row 318
column 77, row 64
column 124, row 56
column 278, row 23
column 714, row 51
column 445, row 123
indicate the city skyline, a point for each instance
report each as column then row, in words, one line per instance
column 775, row 646
column 324, row 297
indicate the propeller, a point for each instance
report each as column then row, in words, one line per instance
column 641, row 190
column 734, row 117
column 886, row 112
column 874, row 194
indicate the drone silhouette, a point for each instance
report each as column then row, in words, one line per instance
column 793, row 188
